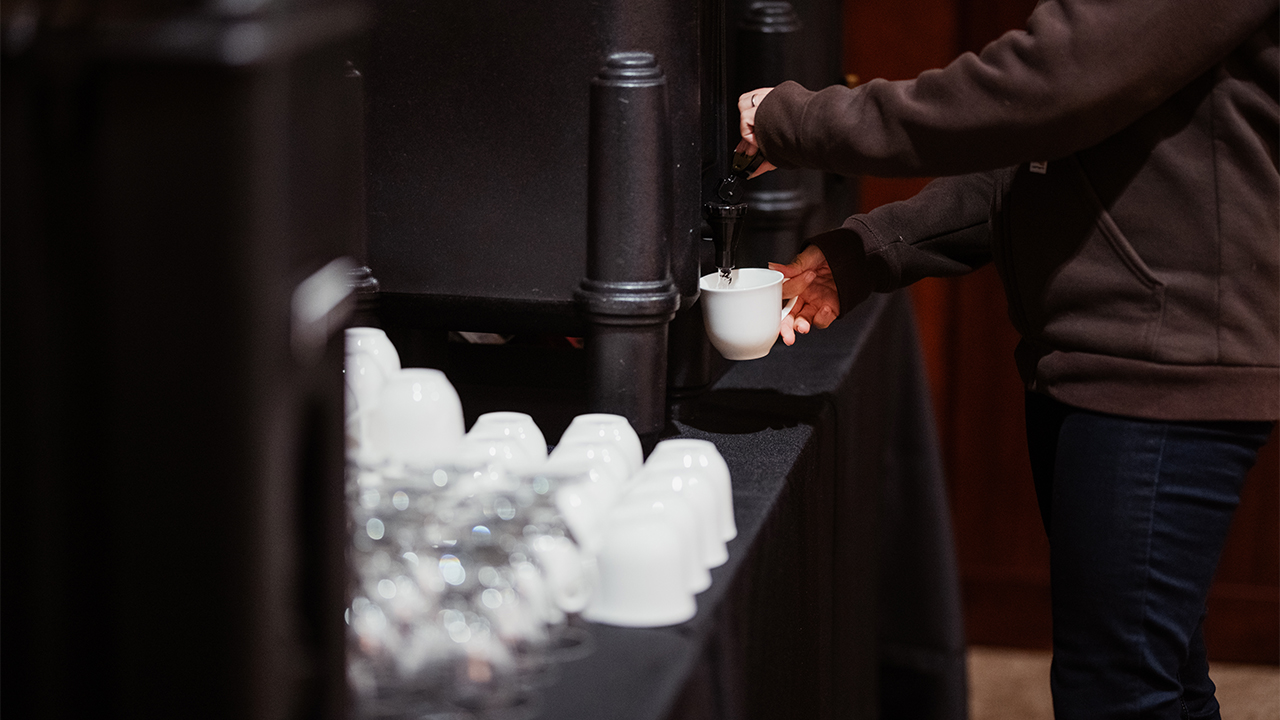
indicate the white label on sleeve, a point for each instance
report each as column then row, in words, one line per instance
column 1040, row 167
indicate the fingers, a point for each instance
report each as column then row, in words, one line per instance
column 807, row 261
column 794, row 286
column 789, row 270
column 747, row 128
column 803, row 321
column 795, row 322
column 824, row 316
column 786, row 329
column 805, row 316
column 749, row 101
column 747, row 105
column 811, row 258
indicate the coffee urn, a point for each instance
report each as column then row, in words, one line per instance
column 542, row 169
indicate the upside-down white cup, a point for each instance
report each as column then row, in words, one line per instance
column 605, row 457
column 364, row 375
column 583, row 495
column 370, row 362
column 703, row 498
column 418, row 420
column 680, row 453
column 374, row 342
column 364, row 378
column 504, row 451
column 642, row 580
column 742, row 318
column 516, row 425
column 608, row 428
column 675, row 508
column 569, row 572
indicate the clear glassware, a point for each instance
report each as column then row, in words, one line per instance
column 466, row 584
column 450, row 607
column 395, row 645
column 566, row 564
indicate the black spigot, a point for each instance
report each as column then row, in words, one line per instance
column 725, row 213
column 725, row 220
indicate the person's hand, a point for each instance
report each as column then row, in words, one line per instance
column 747, row 104
column 808, row 278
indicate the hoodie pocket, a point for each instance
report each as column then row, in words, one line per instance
column 1074, row 281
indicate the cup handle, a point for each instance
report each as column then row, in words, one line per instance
column 786, row 309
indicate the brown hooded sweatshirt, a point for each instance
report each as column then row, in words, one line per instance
column 1117, row 160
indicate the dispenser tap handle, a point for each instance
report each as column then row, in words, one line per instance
column 744, row 165
column 730, row 189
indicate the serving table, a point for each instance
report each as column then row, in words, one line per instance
column 840, row 595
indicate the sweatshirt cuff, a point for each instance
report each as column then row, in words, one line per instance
column 847, row 259
column 777, row 118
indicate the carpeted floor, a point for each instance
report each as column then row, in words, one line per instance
column 1006, row 684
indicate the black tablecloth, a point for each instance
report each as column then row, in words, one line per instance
column 839, row 599
column 840, row 596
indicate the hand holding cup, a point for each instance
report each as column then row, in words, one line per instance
column 809, row 280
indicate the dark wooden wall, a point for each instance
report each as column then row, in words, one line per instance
column 969, row 343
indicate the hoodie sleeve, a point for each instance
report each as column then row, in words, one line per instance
column 1079, row 72
column 943, row 231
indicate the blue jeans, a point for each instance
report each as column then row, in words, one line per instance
column 1137, row 512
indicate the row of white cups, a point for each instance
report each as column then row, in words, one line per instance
column 647, row 531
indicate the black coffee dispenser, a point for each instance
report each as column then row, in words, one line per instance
column 543, row 169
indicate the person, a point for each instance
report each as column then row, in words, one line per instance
column 1117, row 161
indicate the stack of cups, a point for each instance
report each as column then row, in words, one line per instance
column 473, row 549
column 463, row 576
column 371, row 361
column 397, row 418
column 656, row 545
column 604, row 453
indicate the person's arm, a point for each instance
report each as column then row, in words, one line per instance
column 1078, row 73
column 943, row 231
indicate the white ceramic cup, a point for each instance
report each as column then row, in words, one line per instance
column 606, row 427
column 681, row 453
column 642, row 581
column 583, row 512
column 569, row 573
column 375, row 342
column 418, row 420
column 371, row 360
column 504, row 451
column 742, row 319
column 584, row 494
column 675, row 507
column 364, row 375
column 516, row 425
column 606, row 457
column 364, row 378
column 703, row 498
